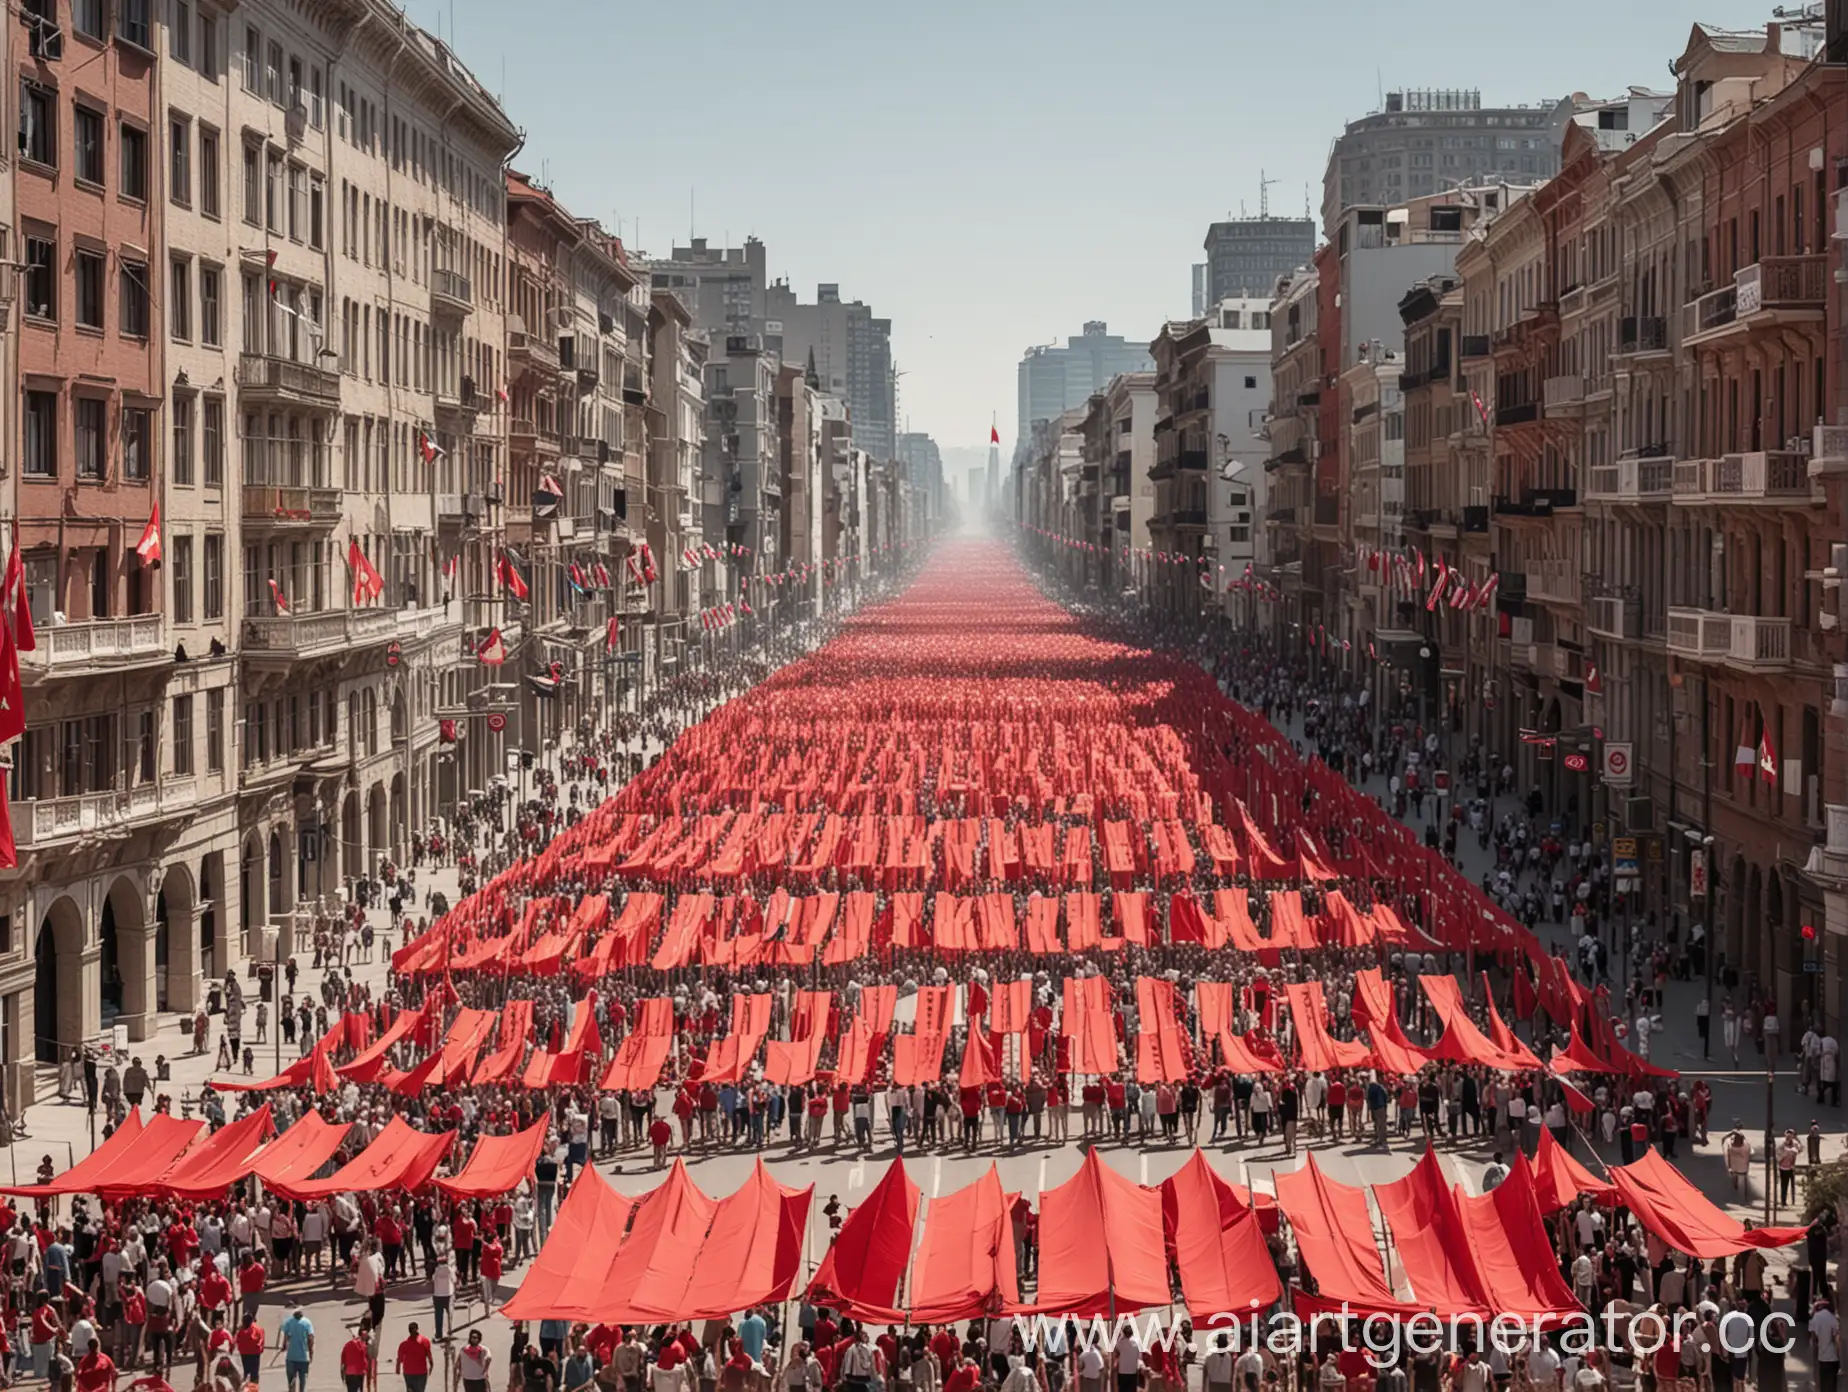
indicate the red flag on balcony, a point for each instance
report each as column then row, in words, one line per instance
column 368, row 584
column 428, row 448
column 510, row 576
column 1594, row 679
column 9, row 849
column 635, row 569
column 1767, row 756
column 148, row 548
column 13, row 597
column 450, row 567
column 603, row 576
column 276, row 594
column 609, row 640
column 446, row 730
column 648, row 565
column 12, row 693
column 492, row 652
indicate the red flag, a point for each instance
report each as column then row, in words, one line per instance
column 1594, row 681
column 13, row 597
column 9, row 849
column 609, row 641
column 282, row 603
column 428, row 448
column 148, row 548
column 1767, row 756
column 603, row 575
column 446, row 730
column 492, row 652
column 12, row 693
column 368, row 584
column 994, row 435
column 510, row 577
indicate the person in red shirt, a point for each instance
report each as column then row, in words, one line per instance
column 1116, row 1095
column 47, row 1328
column 250, row 1343
column 356, row 1358
column 217, row 1338
column 414, row 1360
column 251, row 1278
column 464, row 1230
column 493, row 1261
column 970, row 1101
column 134, row 1320
column 390, row 1234
column 96, row 1370
column 966, row 1378
column 659, row 1134
column 214, row 1290
column 943, row 1344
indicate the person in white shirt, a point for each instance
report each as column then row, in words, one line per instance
column 1090, row 1369
column 1128, row 1358
column 1542, row 1367
column 1249, row 1370
column 1217, row 1366
column 1825, row 1333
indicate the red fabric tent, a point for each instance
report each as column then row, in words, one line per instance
column 1427, row 1230
column 1100, row 1245
column 516, row 1027
column 1376, row 1012
column 1225, row 1266
column 965, row 1260
column 1334, row 1234
column 498, row 1164
column 575, row 1261
column 371, row 1061
column 1162, row 1052
column 400, row 1157
column 298, row 1152
column 1511, row 1250
column 1667, row 1204
column 209, row 1169
column 1559, row 1179
column 127, row 1164
column 861, row 1271
column 1320, row 1050
column 752, row 1254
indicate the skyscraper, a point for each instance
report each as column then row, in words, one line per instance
column 1245, row 256
column 852, row 353
column 1054, row 380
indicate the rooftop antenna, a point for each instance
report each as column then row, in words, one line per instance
column 692, row 218
column 1264, row 194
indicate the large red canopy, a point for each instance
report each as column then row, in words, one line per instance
column 1667, row 1204
column 299, row 1152
column 498, row 1163
column 128, row 1163
column 209, row 1169
column 965, row 1260
column 400, row 1157
column 1100, row 1244
column 866, row 1261
column 1427, row 1230
column 1334, row 1234
column 1511, row 1251
column 1225, row 1266
column 575, row 1261
column 1559, row 1179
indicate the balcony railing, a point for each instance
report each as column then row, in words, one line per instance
column 1712, row 311
column 1553, row 581
column 1633, row 478
column 1690, row 480
column 265, row 502
column 1521, row 413
column 1642, row 333
column 1699, row 634
column 1794, row 282
column 299, row 636
column 1759, row 644
column 282, row 379
column 40, row 822
column 98, row 643
column 1563, row 391
column 1760, row 475
column 1475, row 346
column 451, row 290
column 1615, row 616
column 532, row 350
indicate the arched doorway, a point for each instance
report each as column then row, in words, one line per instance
column 126, row 964
column 57, row 994
column 110, row 961
column 163, row 948
column 400, row 813
column 375, row 827
column 352, row 855
column 400, row 717
column 251, row 881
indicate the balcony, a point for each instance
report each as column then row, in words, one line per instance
column 1536, row 502
column 1829, row 449
column 45, row 822
column 1611, row 616
column 1476, row 519
column 1699, row 635
column 1642, row 333
column 1195, row 459
column 456, row 407
column 1760, row 476
column 1562, row 395
column 460, row 507
column 1553, row 581
column 1689, row 484
column 1776, row 290
column 97, row 644
column 299, row 637
column 284, row 506
column 1280, row 517
column 1522, row 413
column 1182, row 519
column 1647, row 477
column 451, row 294
column 579, row 353
column 1474, row 346
column 1758, row 644
column 1120, row 503
column 529, row 352
column 287, row 383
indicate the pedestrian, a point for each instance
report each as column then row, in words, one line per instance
column 414, row 1359
column 474, row 1364
column 356, row 1357
column 297, row 1335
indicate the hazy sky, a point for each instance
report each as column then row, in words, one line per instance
column 991, row 174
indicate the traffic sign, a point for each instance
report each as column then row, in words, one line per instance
column 1577, row 763
column 496, row 721
column 1619, row 763
column 394, row 653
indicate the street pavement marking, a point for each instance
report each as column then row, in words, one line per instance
column 1040, row 1187
column 1145, row 1168
column 856, row 1177
column 936, row 1176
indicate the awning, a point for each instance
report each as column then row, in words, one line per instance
column 1667, row 1204
column 400, row 1157
column 498, row 1164
column 125, row 1165
column 219, row 1161
column 575, row 1261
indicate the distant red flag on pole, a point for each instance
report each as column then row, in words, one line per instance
column 994, row 435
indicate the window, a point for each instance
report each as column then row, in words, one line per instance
column 87, row 144
column 297, row 214
column 208, row 172
column 90, row 289
column 209, row 327
column 41, row 277
column 137, row 436
column 212, row 577
column 132, row 23
column 87, row 17
column 179, row 161
column 184, row 409
column 317, row 204
column 183, row 734
column 253, row 186
column 134, row 299
column 134, row 142
column 272, row 193
column 272, row 72
column 295, row 83
column 38, row 124
column 212, row 442
column 90, row 437
column 208, row 47
column 180, row 563
column 1251, row 384
column 41, row 459
column 179, row 301
column 179, row 32
column 317, row 109
column 254, row 338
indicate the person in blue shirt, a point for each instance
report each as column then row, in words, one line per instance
column 751, row 1334
column 297, row 1348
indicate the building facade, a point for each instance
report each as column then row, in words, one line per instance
column 1246, row 256
column 1054, row 380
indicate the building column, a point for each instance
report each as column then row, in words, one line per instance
column 185, row 984
column 135, row 956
